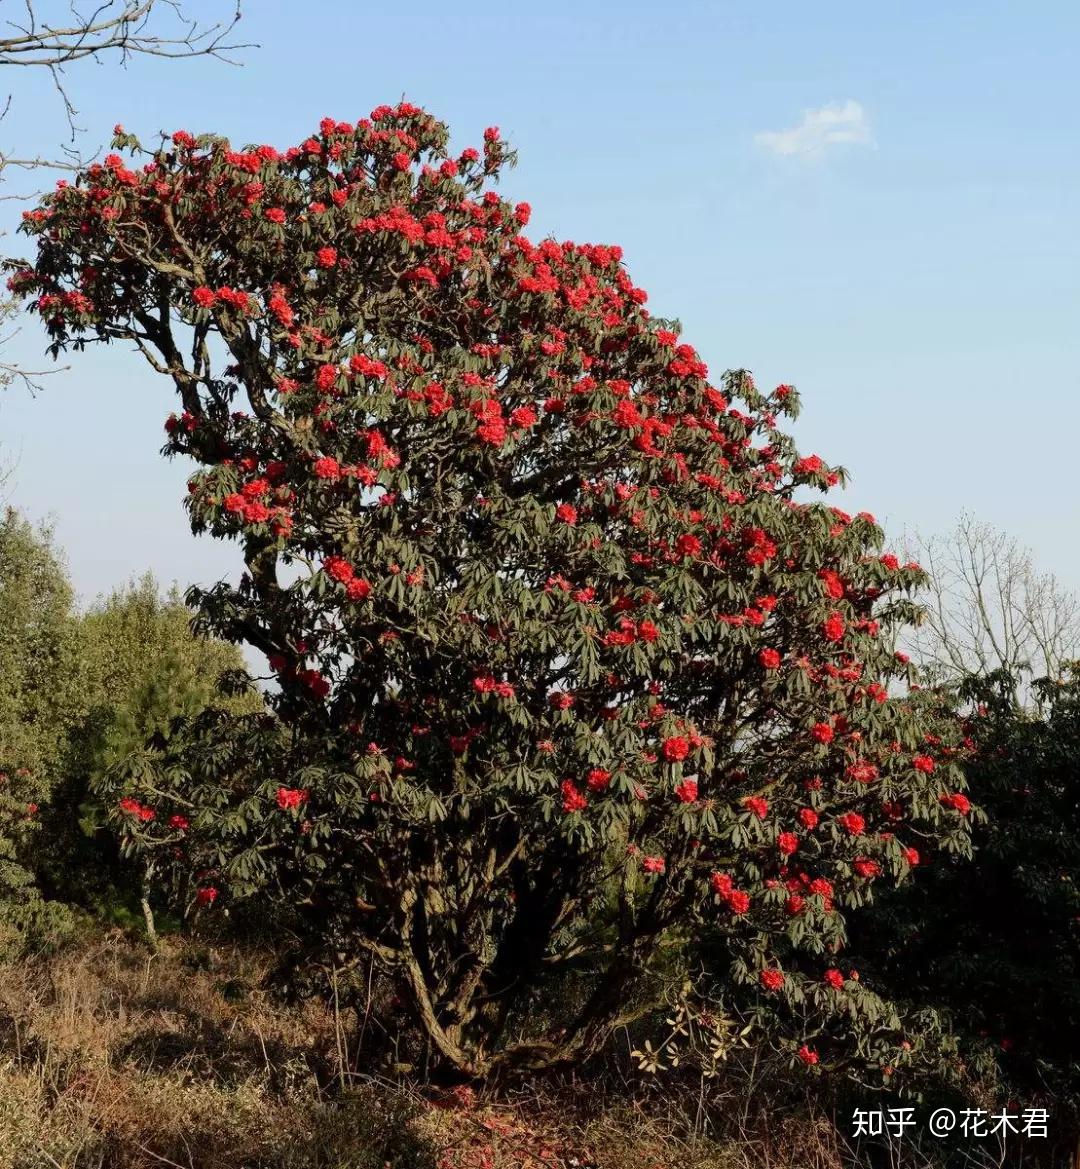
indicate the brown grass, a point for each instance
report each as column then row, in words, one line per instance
column 113, row 1058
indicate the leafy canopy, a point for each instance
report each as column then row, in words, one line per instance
column 567, row 669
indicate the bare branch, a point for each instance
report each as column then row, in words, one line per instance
column 988, row 608
column 114, row 28
column 121, row 26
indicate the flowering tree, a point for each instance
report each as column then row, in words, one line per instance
column 565, row 672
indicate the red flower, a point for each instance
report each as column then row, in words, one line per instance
column 787, row 843
column 654, row 864
column 737, row 901
column 866, row 868
column 357, row 589
column 256, row 489
column 567, row 513
column 834, row 585
column 769, row 658
column 772, row 979
column 180, row 823
column 807, row 1056
column 853, row 822
column 206, row 896
column 923, row 763
column 808, row 818
column 204, row 297
column 573, row 800
column 647, row 631
column 687, row 791
column 911, row 855
column 675, row 748
column 626, row 414
column 832, row 628
column 291, row 797
column 338, row 568
column 688, row 545
column 326, row 257
column 823, row 732
column 958, row 801
column 862, row 772
column 758, row 805
column 327, row 468
column 834, row 979
column 597, row 779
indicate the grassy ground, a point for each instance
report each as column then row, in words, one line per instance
column 113, row 1058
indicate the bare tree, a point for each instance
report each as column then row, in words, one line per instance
column 988, row 608
column 55, row 37
column 118, row 29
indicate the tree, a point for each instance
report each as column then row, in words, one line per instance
column 994, row 940
column 140, row 667
column 114, row 28
column 145, row 668
column 42, row 38
column 39, row 702
column 989, row 609
column 565, row 673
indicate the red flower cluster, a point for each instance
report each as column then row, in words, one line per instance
column 291, row 797
column 675, row 749
column 132, row 807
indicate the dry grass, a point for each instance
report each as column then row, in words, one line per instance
column 112, row 1058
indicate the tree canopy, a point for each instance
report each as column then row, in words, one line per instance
column 567, row 667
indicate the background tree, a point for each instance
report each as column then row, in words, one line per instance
column 144, row 668
column 994, row 942
column 53, row 37
column 988, row 609
column 76, row 695
column 565, row 673
column 140, row 668
column 40, row 701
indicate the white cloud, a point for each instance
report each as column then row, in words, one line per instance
column 834, row 125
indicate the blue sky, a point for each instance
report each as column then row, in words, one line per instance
column 919, row 280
